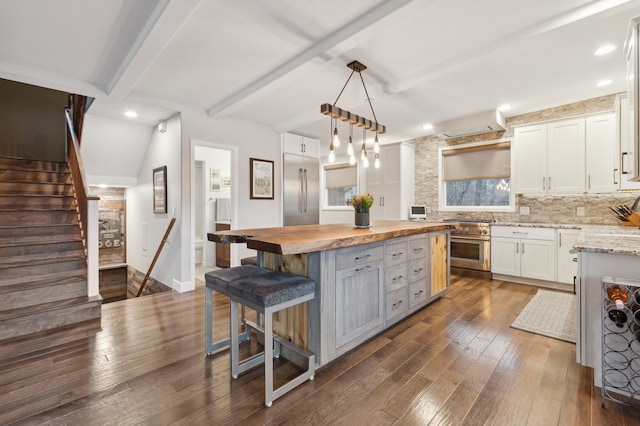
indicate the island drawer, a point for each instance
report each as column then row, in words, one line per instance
column 353, row 256
column 417, row 293
column 417, row 269
column 395, row 277
column 396, row 305
column 417, row 247
column 395, row 253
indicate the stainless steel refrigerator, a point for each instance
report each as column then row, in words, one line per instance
column 301, row 180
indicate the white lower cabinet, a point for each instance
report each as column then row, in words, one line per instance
column 567, row 261
column 523, row 252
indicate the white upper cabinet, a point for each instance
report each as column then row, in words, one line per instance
column 550, row 157
column 393, row 184
column 602, row 169
column 631, row 160
column 530, row 165
column 625, row 149
column 301, row 145
column 566, row 156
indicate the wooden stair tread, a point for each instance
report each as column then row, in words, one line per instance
column 14, row 314
column 34, row 262
column 42, row 279
column 40, row 258
column 28, row 240
column 53, row 279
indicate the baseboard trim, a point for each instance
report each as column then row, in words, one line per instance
column 183, row 286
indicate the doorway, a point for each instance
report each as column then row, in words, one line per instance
column 213, row 195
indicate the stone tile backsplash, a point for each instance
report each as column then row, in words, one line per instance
column 560, row 208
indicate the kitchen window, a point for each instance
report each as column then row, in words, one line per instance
column 341, row 183
column 476, row 177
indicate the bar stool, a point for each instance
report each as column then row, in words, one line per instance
column 269, row 293
column 219, row 281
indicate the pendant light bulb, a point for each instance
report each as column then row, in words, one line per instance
column 376, row 145
column 352, row 159
column 336, row 138
column 363, row 153
column 365, row 162
column 350, row 147
column 332, row 154
column 376, row 163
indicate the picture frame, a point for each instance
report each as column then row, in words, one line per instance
column 160, row 189
column 215, row 184
column 261, row 178
column 226, row 180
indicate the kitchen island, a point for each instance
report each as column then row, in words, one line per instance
column 367, row 279
column 603, row 251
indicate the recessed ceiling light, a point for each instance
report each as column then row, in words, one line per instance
column 603, row 83
column 427, row 126
column 504, row 107
column 603, row 50
column 131, row 114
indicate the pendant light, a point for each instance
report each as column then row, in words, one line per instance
column 363, row 155
column 336, row 113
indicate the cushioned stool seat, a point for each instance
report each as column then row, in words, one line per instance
column 249, row 261
column 219, row 281
column 269, row 293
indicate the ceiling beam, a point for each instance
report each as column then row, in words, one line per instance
column 163, row 23
column 252, row 90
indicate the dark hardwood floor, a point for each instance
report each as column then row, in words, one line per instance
column 456, row 362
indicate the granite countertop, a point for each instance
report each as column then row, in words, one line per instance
column 542, row 225
column 609, row 239
column 311, row 238
column 615, row 239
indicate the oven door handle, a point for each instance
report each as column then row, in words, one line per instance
column 458, row 238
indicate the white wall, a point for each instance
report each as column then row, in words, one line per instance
column 113, row 150
column 145, row 229
column 253, row 141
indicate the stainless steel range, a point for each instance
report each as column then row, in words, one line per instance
column 471, row 246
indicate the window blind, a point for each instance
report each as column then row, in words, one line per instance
column 340, row 175
column 478, row 162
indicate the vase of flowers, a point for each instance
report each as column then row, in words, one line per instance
column 361, row 203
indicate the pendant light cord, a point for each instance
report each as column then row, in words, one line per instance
column 369, row 100
column 345, row 86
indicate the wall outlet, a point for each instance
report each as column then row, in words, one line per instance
column 428, row 209
column 525, row 210
column 580, row 211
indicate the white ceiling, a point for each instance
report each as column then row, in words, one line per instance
column 275, row 62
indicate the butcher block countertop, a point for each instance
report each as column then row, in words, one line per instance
column 312, row 238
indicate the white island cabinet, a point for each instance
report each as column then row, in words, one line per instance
column 613, row 253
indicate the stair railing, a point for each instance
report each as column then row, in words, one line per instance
column 87, row 203
column 155, row 258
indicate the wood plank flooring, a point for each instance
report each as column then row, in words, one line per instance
column 456, row 362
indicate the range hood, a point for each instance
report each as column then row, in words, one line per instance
column 488, row 121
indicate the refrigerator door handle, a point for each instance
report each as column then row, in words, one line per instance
column 306, row 192
column 300, row 191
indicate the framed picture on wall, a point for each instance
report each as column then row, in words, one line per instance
column 160, row 189
column 226, row 180
column 261, row 177
column 215, row 184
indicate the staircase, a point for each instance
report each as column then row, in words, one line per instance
column 43, row 268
